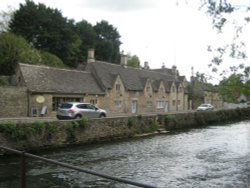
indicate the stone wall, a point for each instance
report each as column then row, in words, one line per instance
column 13, row 102
column 200, row 119
column 41, row 135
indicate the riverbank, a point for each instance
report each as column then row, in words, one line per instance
column 39, row 135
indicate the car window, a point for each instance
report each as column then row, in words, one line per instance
column 66, row 105
column 90, row 106
column 82, row 106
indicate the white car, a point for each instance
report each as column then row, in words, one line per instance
column 77, row 110
column 204, row 107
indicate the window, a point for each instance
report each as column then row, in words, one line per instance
column 149, row 104
column 93, row 101
column 160, row 104
column 56, row 101
column 118, row 104
column 179, row 102
column 173, row 89
column 180, row 89
column 173, row 103
column 118, row 89
column 136, row 93
column 149, row 91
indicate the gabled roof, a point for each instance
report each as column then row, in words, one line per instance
column 133, row 78
column 39, row 78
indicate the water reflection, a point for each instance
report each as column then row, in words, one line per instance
column 216, row 156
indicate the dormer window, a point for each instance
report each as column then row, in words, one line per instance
column 180, row 89
column 173, row 89
column 118, row 89
column 149, row 91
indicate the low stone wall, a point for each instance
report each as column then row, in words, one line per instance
column 42, row 135
column 13, row 102
column 199, row 119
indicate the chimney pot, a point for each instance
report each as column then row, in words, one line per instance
column 91, row 55
column 124, row 60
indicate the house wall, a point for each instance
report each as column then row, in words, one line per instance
column 36, row 106
column 13, row 102
column 213, row 98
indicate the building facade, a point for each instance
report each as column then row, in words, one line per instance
column 117, row 88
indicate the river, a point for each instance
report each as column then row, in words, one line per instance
column 214, row 156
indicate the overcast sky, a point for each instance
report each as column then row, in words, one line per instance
column 157, row 31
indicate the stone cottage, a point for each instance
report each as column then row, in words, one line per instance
column 117, row 88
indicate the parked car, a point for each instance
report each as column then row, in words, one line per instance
column 77, row 110
column 204, row 107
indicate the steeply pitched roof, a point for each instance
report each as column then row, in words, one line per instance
column 133, row 78
column 40, row 78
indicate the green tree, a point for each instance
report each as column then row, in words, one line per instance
column 51, row 60
column 11, row 50
column 88, row 36
column 107, row 42
column 232, row 87
column 46, row 29
column 133, row 61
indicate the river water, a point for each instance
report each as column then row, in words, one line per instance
column 214, row 156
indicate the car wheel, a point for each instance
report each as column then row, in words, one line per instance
column 102, row 115
column 78, row 117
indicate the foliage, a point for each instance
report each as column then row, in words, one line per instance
column 108, row 42
column 51, row 60
column 133, row 61
column 225, row 14
column 11, row 50
column 130, row 122
column 83, row 122
column 51, row 128
column 153, row 125
column 22, row 131
column 87, row 35
column 15, row 49
column 232, row 87
column 4, row 80
column 46, row 29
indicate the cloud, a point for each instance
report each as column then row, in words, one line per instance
column 120, row 5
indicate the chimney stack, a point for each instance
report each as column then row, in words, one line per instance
column 146, row 65
column 175, row 71
column 163, row 66
column 91, row 55
column 124, row 60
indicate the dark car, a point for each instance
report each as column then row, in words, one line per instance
column 77, row 110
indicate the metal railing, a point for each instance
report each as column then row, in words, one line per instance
column 23, row 169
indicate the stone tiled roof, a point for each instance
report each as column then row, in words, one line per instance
column 40, row 78
column 133, row 78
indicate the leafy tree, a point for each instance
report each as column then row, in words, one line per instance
column 133, row 61
column 51, row 60
column 11, row 50
column 228, row 13
column 232, row 87
column 46, row 29
column 107, row 43
column 87, row 35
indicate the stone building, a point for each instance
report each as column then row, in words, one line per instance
column 117, row 88
column 47, row 87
